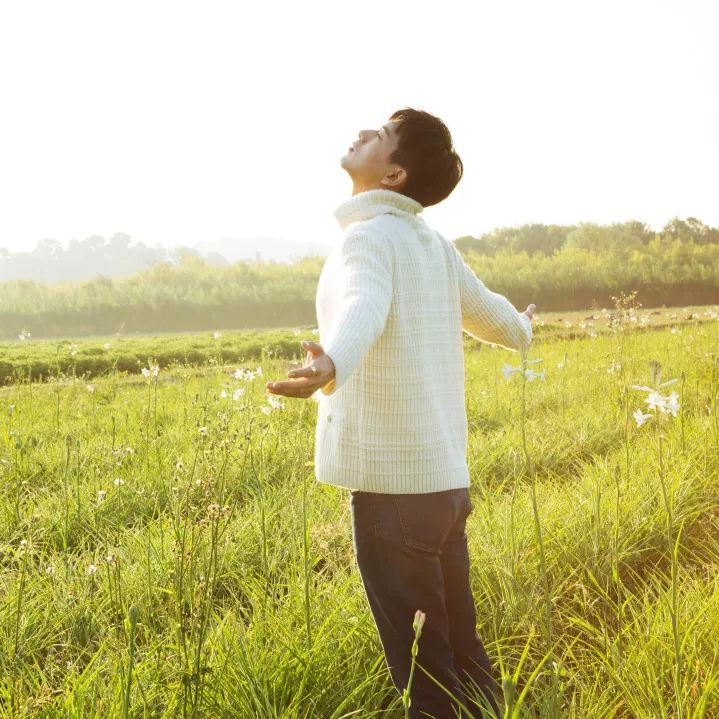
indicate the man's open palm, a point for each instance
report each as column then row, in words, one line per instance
column 305, row 382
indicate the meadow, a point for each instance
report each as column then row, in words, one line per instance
column 165, row 550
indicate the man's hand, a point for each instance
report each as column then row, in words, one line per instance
column 309, row 382
column 530, row 311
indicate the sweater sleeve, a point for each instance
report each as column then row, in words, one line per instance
column 367, row 269
column 488, row 316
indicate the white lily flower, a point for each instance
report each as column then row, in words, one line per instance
column 655, row 400
column 274, row 401
column 508, row 370
column 238, row 393
column 641, row 418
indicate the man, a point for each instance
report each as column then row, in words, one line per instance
column 392, row 301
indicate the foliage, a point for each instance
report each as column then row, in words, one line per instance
column 554, row 267
column 195, row 568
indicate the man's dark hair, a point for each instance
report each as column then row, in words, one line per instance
column 425, row 150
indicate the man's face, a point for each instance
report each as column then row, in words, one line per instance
column 367, row 160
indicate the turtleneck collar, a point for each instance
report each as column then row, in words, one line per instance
column 365, row 205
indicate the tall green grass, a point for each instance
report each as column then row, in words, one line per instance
column 166, row 552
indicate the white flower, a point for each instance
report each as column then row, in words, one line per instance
column 24, row 335
column 118, row 482
column 641, row 418
column 655, row 400
column 49, row 569
column 245, row 374
column 238, row 393
column 154, row 370
column 101, row 495
column 508, row 370
column 92, row 569
column 258, row 372
column 672, row 404
column 217, row 334
column 106, row 346
column 274, row 401
column 90, row 388
column 202, row 430
column 266, row 409
column 223, row 393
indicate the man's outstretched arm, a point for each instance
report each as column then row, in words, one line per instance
column 489, row 316
column 366, row 266
column 367, row 269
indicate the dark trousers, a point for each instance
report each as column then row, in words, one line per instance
column 412, row 554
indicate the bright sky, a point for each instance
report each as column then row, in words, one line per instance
column 178, row 122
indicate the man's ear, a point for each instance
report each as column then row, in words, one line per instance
column 396, row 178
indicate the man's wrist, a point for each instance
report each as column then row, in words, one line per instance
column 328, row 387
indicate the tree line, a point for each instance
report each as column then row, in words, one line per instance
column 588, row 265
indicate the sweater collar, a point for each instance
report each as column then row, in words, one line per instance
column 367, row 204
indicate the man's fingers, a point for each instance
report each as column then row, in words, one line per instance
column 295, row 388
column 301, row 372
column 313, row 347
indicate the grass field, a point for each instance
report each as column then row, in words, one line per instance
column 166, row 552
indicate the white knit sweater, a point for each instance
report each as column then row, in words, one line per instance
column 392, row 300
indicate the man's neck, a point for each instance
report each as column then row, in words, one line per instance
column 359, row 186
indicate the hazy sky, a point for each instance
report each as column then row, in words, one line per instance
column 179, row 122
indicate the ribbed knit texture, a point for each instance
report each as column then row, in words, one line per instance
column 392, row 301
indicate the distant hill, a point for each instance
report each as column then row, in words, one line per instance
column 260, row 249
column 53, row 262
